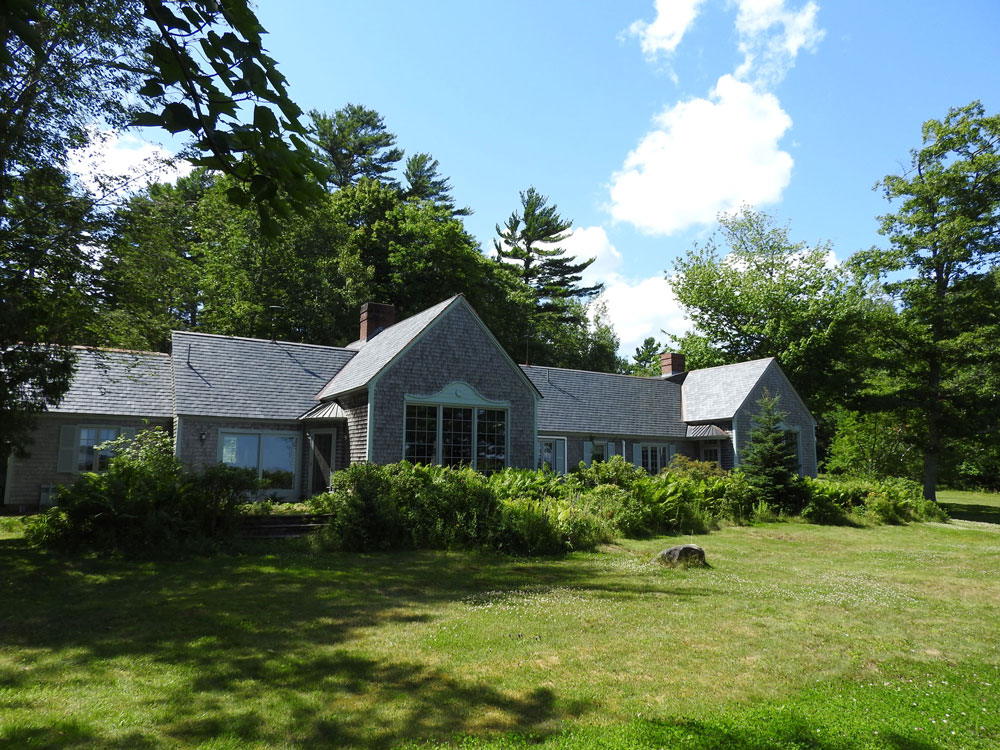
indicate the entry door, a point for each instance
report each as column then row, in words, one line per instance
column 323, row 447
column 552, row 451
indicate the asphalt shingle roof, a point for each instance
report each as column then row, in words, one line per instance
column 377, row 352
column 594, row 402
column 120, row 383
column 715, row 393
column 249, row 378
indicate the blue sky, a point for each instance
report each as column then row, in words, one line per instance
column 642, row 120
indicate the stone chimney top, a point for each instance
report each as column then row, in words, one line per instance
column 671, row 363
column 376, row 317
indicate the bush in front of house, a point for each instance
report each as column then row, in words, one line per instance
column 412, row 506
column 407, row 506
column 144, row 502
column 873, row 501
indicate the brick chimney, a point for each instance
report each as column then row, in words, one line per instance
column 671, row 363
column 375, row 317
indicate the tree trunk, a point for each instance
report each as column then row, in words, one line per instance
column 931, row 462
column 932, row 449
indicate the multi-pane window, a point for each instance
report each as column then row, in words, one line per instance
column 597, row 452
column 421, row 434
column 491, row 441
column 710, row 452
column 456, row 436
column 655, row 458
column 89, row 458
column 272, row 456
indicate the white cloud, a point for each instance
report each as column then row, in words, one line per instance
column 768, row 55
column 673, row 19
column 593, row 242
column 705, row 156
column 637, row 307
column 120, row 162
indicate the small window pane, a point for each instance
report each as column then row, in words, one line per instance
column 240, row 450
column 547, row 454
column 491, row 440
column 597, row 452
column 420, row 444
column 277, row 461
column 88, row 439
column 456, row 436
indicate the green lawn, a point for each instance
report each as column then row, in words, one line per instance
column 797, row 636
column 971, row 506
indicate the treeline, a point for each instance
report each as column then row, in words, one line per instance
column 182, row 256
column 896, row 350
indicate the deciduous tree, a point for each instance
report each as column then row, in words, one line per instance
column 945, row 239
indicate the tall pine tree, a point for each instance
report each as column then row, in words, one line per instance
column 353, row 143
column 530, row 239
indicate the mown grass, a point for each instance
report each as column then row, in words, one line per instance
column 797, row 636
column 971, row 506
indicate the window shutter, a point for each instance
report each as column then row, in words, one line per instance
column 588, row 452
column 68, row 438
column 611, row 450
column 560, row 451
column 637, row 455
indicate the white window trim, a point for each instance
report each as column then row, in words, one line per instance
column 77, row 428
column 554, row 438
column 669, row 448
column 297, row 469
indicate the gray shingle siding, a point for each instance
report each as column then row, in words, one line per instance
column 798, row 417
column 577, row 401
column 224, row 376
column 355, row 405
column 378, row 351
column 120, row 383
column 455, row 349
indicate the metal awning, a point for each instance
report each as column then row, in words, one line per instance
column 325, row 410
column 706, row 431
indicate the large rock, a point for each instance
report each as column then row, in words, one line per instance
column 684, row 554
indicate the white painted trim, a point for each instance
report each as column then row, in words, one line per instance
column 177, row 438
column 456, row 393
column 369, row 432
column 554, row 438
column 439, row 424
column 669, row 451
column 736, row 443
column 296, row 490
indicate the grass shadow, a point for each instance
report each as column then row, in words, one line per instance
column 259, row 647
column 972, row 512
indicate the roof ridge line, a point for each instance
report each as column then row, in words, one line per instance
column 262, row 341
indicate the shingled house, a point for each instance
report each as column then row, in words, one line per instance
column 434, row 388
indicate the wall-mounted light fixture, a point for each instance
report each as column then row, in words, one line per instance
column 203, row 437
